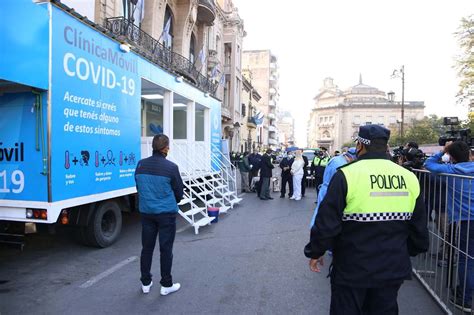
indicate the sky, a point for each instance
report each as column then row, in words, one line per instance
column 315, row 39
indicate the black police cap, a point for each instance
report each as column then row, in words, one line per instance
column 368, row 133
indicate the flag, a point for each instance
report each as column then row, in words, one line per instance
column 222, row 80
column 139, row 12
column 258, row 118
column 202, row 56
column 165, row 35
column 214, row 72
column 166, row 29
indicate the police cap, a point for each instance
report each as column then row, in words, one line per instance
column 368, row 133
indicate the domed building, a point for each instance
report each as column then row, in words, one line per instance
column 337, row 114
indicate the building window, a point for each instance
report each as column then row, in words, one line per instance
column 168, row 41
column 356, row 120
column 153, row 111
column 199, row 125
column 192, row 48
column 326, row 135
column 381, row 120
column 392, row 120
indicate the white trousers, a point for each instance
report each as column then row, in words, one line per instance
column 297, row 186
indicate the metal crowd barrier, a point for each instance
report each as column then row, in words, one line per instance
column 447, row 269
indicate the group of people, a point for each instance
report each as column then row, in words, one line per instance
column 370, row 214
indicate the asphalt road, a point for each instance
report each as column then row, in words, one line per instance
column 250, row 262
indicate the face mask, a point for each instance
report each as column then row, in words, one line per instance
column 446, row 158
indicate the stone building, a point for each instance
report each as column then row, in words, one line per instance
column 262, row 66
column 203, row 40
column 248, row 131
column 337, row 114
column 286, row 128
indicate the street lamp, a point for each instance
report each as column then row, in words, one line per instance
column 401, row 74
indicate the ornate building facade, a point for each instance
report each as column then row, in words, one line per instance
column 337, row 114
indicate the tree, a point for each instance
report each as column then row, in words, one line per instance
column 424, row 131
column 465, row 64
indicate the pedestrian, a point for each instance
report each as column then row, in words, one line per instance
column 305, row 172
column 460, row 198
column 320, row 160
column 266, row 167
column 297, row 173
column 373, row 218
column 160, row 188
column 286, row 177
column 244, row 168
column 331, row 169
column 254, row 160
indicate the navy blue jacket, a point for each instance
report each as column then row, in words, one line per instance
column 266, row 166
column 159, row 185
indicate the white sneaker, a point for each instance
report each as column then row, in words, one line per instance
column 146, row 288
column 167, row 290
column 292, row 198
column 298, row 199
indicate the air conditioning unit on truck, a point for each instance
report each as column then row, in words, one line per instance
column 69, row 123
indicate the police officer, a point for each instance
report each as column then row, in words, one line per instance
column 320, row 161
column 373, row 218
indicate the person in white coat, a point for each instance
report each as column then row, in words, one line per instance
column 297, row 172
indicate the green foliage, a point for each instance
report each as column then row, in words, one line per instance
column 465, row 62
column 424, row 131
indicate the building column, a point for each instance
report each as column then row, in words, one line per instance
column 168, row 115
column 191, row 122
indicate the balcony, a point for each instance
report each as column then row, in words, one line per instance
column 272, row 141
column 272, row 103
column 148, row 47
column 206, row 12
column 271, row 116
column 272, row 128
column 251, row 123
column 273, row 91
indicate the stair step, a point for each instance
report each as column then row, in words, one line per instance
column 204, row 193
column 194, row 211
column 223, row 209
column 220, row 186
column 204, row 221
column 213, row 201
column 236, row 200
column 196, row 184
column 185, row 201
column 227, row 193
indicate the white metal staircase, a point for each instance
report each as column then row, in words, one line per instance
column 209, row 179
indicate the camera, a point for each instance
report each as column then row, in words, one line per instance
column 411, row 157
column 455, row 134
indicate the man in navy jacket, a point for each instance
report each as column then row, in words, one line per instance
column 160, row 188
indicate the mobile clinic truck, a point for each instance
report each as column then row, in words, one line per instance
column 73, row 117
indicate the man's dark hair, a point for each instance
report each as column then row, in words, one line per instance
column 459, row 151
column 412, row 144
column 160, row 142
column 377, row 145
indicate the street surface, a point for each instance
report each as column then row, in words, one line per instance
column 250, row 262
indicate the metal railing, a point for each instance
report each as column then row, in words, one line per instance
column 447, row 269
column 150, row 48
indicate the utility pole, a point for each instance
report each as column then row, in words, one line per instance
column 401, row 74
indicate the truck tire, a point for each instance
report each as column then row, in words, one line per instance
column 105, row 225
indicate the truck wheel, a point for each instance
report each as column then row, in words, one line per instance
column 105, row 224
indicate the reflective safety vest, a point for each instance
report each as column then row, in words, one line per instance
column 317, row 161
column 379, row 190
